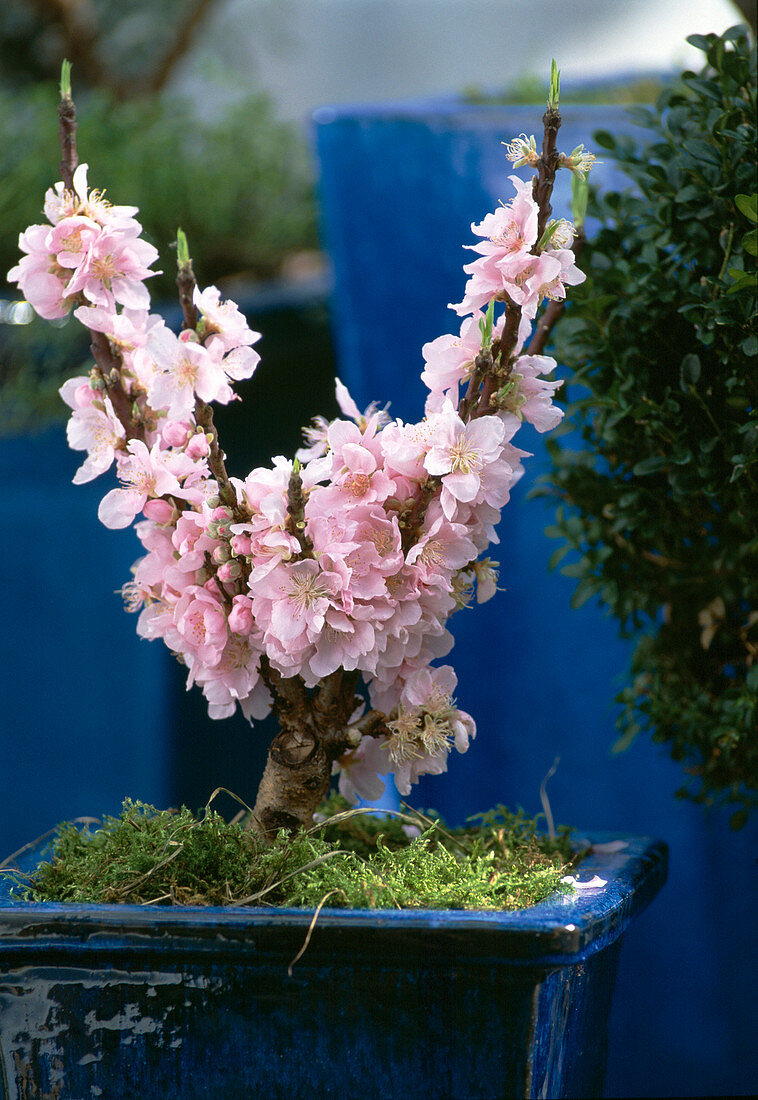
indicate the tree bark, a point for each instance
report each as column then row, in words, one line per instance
column 314, row 733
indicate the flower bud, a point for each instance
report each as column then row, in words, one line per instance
column 159, row 511
column 230, row 571
column 222, row 553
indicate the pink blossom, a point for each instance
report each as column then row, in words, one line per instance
column 160, row 511
column 486, row 575
column 241, row 615
column 186, row 369
column 450, row 362
column 344, row 642
column 544, row 276
column 426, row 726
column 201, row 624
column 144, row 474
column 290, row 604
column 443, row 548
column 357, row 475
column 360, row 770
column 92, row 427
column 113, row 268
column 405, row 447
column 316, row 437
column 396, row 515
column 459, row 454
column 39, row 278
column 222, row 320
column 235, row 680
column 63, row 203
column 510, row 233
column 529, row 397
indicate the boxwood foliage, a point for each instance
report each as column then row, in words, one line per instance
column 658, row 502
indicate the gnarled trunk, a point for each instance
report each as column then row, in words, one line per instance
column 314, row 733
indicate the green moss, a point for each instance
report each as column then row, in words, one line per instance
column 353, row 859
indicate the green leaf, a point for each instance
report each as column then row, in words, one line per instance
column 651, row 465
column 750, row 242
column 555, row 84
column 626, row 739
column 743, row 280
column 554, row 532
column 65, row 85
column 574, row 569
column 182, row 249
column 738, row 820
column 703, row 151
column 580, row 190
column 604, row 139
column 689, row 371
column 557, row 557
column 707, row 88
column 747, row 205
column 700, row 41
column 485, row 325
column 584, row 591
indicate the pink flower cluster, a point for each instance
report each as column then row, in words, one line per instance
column 396, row 516
column 509, row 268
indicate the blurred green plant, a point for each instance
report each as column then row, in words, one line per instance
column 528, row 89
column 659, row 504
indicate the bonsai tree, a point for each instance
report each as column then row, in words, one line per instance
column 658, row 502
column 319, row 588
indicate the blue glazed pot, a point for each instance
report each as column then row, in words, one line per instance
column 136, row 1002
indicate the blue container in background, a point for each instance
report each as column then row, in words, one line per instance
column 400, row 185
column 84, row 703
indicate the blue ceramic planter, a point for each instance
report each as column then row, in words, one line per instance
column 135, row 1002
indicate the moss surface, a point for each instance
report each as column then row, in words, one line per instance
column 350, row 859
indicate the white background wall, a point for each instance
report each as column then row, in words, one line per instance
column 311, row 52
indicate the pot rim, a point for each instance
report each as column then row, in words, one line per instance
column 564, row 926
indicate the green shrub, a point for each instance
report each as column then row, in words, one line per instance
column 659, row 503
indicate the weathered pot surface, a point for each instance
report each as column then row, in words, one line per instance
column 137, row 1001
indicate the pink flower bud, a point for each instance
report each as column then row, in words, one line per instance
column 241, row 615
column 242, row 546
column 159, row 511
column 175, row 433
column 229, row 571
column 198, row 446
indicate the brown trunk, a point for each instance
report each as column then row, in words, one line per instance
column 313, row 734
column 295, row 781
